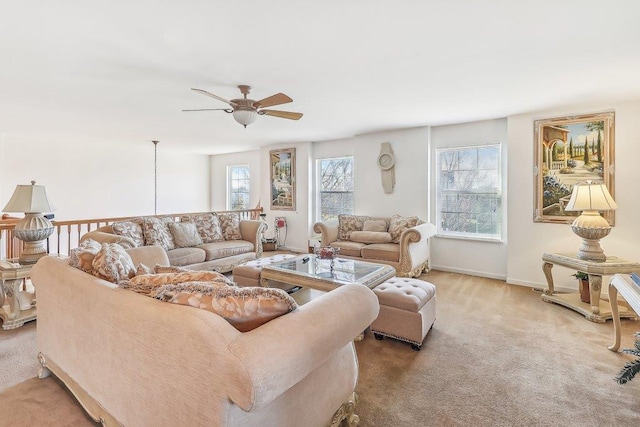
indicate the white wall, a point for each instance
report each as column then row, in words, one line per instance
column 219, row 166
column 410, row 147
column 94, row 180
column 529, row 240
column 480, row 258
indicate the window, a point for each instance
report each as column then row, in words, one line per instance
column 335, row 184
column 238, row 185
column 468, row 192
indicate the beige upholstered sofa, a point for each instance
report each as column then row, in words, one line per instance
column 400, row 242
column 219, row 247
column 137, row 361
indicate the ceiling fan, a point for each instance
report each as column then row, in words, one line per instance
column 245, row 111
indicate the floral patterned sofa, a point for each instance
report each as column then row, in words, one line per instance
column 202, row 241
column 401, row 242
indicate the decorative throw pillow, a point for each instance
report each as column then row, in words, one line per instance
column 379, row 225
column 185, row 234
column 349, row 223
column 208, row 226
column 169, row 269
column 230, row 223
column 370, row 237
column 113, row 263
column 143, row 269
column 399, row 224
column 245, row 308
column 82, row 256
column 131, row 228
column 145, row 283
column 157, row 233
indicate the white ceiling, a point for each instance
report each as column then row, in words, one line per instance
column 119, row 72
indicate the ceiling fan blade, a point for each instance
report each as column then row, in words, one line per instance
column 204, row 92
column 283, row 114
column 277, row 99
column 228, row 110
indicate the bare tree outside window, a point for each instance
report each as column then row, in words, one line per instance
column 239, row 184
column 468, row 192
column 335, row 181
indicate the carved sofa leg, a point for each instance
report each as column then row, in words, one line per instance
column 346, row 413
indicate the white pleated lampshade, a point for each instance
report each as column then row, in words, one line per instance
column 28, row 198
column 590, row 197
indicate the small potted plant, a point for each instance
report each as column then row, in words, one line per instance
column 633, row 367
column 583, row 286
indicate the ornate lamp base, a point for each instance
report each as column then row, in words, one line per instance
column 591, row 227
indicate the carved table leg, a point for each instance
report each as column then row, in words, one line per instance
column 595, row 284
column 546, row 268
column 43, row 371
column 613, row 298
column 12, row 287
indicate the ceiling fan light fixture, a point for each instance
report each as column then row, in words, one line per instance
column 245, row 117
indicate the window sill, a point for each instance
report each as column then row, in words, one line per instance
column 473, row 238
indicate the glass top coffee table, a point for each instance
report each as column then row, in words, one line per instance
column 310, row 271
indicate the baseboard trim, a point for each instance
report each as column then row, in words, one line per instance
column 469, row 272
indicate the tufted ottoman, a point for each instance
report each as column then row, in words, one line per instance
column 248, row 274
column 407, row 310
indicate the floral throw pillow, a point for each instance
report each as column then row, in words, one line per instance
column 147, row 283
column 398, row 224
column 82, row 256
column 208, row 226
column 349, row 223
column 157, row 233
column 113, row 263
column 245, row 308
column 230, row 223
column 130, row 228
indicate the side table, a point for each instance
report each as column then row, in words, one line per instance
column 12, row 274
column 598, row 311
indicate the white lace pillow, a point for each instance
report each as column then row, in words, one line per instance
column 82, row 256
column 113, row 263
column 131, row 228
column 156, row 232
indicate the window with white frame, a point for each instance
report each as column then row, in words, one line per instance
column 468, row 192
column 238, row 186
column 335, row 187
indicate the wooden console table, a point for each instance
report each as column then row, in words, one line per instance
column 11, row 276
column 598, row 311
column 631, row 294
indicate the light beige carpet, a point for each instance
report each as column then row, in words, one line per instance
column 497, row 356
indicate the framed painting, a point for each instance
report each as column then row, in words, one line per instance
column 570, row 150
column 283, row 179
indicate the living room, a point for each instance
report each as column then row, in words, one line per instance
column 96, row 162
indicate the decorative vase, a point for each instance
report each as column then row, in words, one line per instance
column 583, row 286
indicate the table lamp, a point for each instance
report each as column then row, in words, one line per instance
column 33, row 229
column 590, row 225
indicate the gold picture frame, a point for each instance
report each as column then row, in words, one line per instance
column 282, row 164
column 569, row 150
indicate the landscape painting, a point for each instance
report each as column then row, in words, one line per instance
column 282, row 164
column 571, row 150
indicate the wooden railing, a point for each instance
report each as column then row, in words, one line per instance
column 66, row 234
